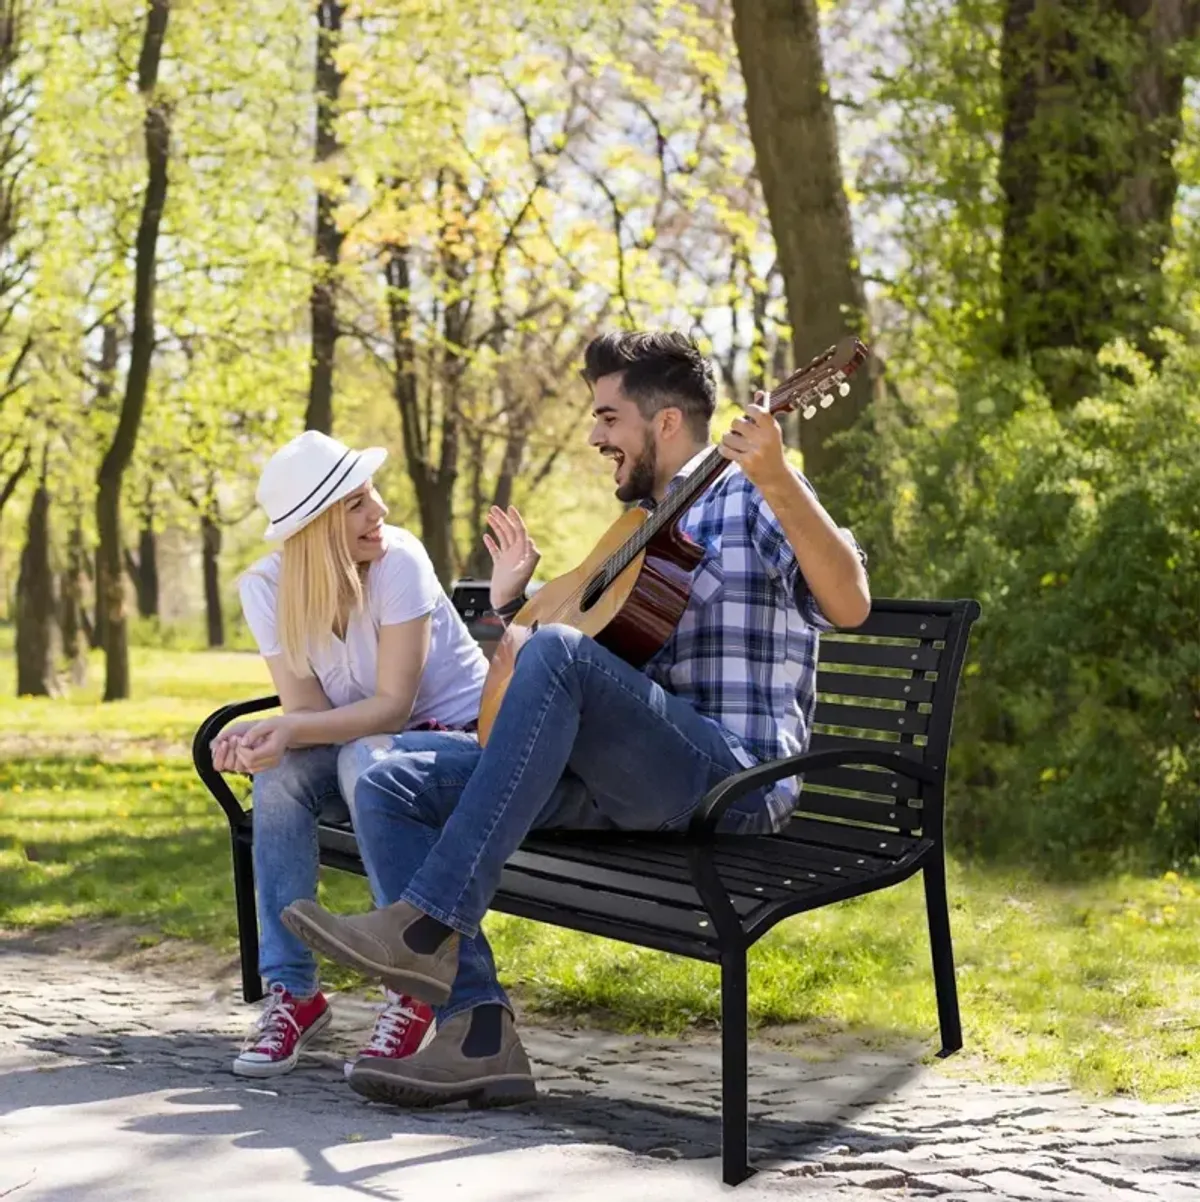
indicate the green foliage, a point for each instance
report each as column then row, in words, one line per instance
column 931, row 184
column 154, row 634
column 1077, row 741
column 1022, row 206
column 172, row 691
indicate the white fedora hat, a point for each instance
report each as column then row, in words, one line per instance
column 302, row 480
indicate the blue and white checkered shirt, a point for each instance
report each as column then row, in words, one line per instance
column 745, row 652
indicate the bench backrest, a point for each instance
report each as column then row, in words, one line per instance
column 889, row 685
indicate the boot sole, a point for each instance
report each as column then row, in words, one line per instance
column 424, row 988
column 277, row 1068
column 484, row 1093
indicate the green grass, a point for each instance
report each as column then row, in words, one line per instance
column 1097, row 984
column 172, row 690
column 1094, row 984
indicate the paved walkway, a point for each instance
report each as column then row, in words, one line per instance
column 114, row 1087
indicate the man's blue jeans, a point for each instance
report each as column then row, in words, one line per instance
column 583, row 741
column 309, row 783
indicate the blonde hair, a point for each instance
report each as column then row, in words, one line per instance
column 318, row 584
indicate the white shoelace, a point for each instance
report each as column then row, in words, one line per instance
column 393, row 1021
column 271, row 1025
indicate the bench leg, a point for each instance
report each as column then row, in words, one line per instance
column 938, row 908
column 735, row 1165
column 247, row 914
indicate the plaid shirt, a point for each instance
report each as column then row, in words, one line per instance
column 745, row 652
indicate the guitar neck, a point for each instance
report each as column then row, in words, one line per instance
column 678, row 502
column 681, row 499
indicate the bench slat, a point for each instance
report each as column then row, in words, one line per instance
column 546, row 885
column 810, row 832
column 860, row 809
column 858, row 684
column 824, row 742
column 701, row 946
column 880, row 655
column 861, row 780
column 754, row 878
column 865, row 717
column 786, row 855
column 916, row 625
column 747, row 882
column 629, row 912
column 636, row 885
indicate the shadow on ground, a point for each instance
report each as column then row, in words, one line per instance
column 591, row 1093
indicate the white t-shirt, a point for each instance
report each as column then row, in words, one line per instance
column 400, row 586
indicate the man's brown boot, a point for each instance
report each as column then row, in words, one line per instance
column 375, row 944
column 476, row 1057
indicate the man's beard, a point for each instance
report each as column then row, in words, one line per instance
column 640, row 484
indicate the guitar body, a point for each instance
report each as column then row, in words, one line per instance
column 633, row 617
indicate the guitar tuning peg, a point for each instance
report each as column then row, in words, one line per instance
column 826, row 401
column 809, row 411
column 843, row 389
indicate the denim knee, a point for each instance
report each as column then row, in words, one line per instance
column 356, row 758
column 551, row 648
column 421, row 786
column 391, row 786
column 291, row 780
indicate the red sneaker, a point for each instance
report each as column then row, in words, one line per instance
column 403, row 1027
column 285, row 1026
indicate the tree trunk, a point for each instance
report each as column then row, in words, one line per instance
column 479, row 559
column 98, row 626
column 143, row 570
column 147, row 592
column 438, row 529
column 328, row 239
column 110, row 350
column 478, row 562
column 437, row 521
column 432, row 483
column 141, row 350
column 18, row 100
column 792, row 126
column 110, row 591
column 14, row 478
column 1093, row 101
column 35, row 603
column 210, row 543
column 72, row 619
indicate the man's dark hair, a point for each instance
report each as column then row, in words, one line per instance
column 660, row 369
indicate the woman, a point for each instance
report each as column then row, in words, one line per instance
column 361, row 642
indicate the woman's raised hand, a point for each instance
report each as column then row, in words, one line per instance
column 514, row 555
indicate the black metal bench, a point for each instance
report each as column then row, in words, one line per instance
column 869, row 816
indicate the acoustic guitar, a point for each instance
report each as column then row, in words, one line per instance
column 631, row 591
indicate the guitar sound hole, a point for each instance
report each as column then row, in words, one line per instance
column 593, row 592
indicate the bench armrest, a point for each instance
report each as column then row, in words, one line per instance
column 214, row 781
column 719, row 799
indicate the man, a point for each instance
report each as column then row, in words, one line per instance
column 584, row 740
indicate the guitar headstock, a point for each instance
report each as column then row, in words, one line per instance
column 820, row 382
